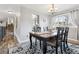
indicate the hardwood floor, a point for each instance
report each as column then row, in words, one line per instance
column 73, row 41
column 8, row 42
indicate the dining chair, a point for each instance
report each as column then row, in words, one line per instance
column 38, row 29
column 65, row 39
column 57, row 40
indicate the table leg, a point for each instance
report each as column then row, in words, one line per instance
column 30, row 42
column 44, row 47
column 56, row 50
column 40, row 44
column 56, row 46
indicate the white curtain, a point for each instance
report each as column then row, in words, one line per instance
column 75, row 18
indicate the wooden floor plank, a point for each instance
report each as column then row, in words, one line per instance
column 73, row 41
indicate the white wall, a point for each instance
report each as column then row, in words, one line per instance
column 25, row 23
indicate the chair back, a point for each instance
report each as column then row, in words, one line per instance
column 38, row 29
column 60, row 33
column 66, row 33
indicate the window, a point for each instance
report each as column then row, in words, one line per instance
column 61, row 20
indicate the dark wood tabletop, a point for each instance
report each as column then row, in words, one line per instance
column 44, row 34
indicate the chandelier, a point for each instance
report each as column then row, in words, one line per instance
column 52, row 8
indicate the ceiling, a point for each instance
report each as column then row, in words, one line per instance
column 43, row 8
column 5, row 9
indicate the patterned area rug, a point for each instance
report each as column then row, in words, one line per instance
column 24, row 49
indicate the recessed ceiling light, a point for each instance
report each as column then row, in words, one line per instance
column 10, row 12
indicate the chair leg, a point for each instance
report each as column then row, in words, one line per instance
column 61, row 47
column 52, row 47
column 35, row 42
column 66, row 44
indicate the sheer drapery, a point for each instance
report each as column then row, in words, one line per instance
column 75, row 18
column 66, row 19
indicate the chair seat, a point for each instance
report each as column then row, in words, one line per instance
column 53, row 42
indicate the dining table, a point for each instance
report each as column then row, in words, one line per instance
column 43, row 36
